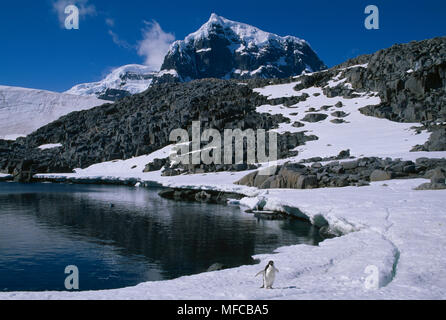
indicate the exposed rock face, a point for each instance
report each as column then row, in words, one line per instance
column 438, row 181
column 298, row 124
column 314, row 117
column 339, row 114
column 338, row 121
column 358, row 172
column 380, row 175
column 344, row 154
column 155, row 165
column 409, row 78
column 285, row 142
column 437, row 140
column 208, row 196
column 231, row 50
column 141, row 124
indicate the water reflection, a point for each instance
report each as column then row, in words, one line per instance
column 120, row 236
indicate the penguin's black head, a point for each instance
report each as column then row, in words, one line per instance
column 271, row 263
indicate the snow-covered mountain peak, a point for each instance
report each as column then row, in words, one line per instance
column 220, row 48
column 125, row 80
column 129, row 71
column 226, row 49
column 245, row 34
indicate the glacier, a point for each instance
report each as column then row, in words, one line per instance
column 23, row 110
column 132, row 78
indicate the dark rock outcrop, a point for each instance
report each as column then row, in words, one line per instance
column 314, row 117
column 358, row 172
column 438, row 180
column 208, row 196
column 155, row 165
column 410, row 80
column 380, row 175
column 437, row 140
column 141, row 124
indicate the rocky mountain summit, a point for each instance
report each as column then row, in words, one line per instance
column 226, row 49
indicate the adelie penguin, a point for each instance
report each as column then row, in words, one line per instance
column 269, row 274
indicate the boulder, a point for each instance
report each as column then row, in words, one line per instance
column 298, row 124
column 337, row 121
column 349, row 165
column 155, row 165
column 289, row 175
column 314, row 117
column 438, row 176
column 215, row 267
column 307, row 182
column 248, row 180
column 344, row 154
column 380, row 175
column 339, row 114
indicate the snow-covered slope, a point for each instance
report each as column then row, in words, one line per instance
column 22, row 110
column 126, row 80
column 344, row 127
column 226, row 49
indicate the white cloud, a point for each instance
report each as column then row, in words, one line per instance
column 118, row 41
column 154, row 45
column 85, row 9
column 110, row 22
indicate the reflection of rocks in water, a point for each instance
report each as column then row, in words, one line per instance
column 215, row 267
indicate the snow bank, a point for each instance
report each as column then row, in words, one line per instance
column 4, row 176
column 49, row 146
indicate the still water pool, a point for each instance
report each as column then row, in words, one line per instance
column 120, row 236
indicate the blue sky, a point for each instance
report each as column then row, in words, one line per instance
column 37, row 52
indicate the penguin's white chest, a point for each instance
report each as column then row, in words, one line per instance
column 270, row 275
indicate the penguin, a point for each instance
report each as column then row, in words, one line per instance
column 269, row 274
